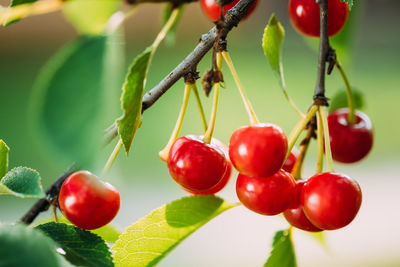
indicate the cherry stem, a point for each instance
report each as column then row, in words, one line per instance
column 167, row 26
column 320, row 138
column 304, row 145
column 351, row 118
column 210, row 130
column 249, row 108
column 324, row 47
column 328, row 152
column 200, row 106
column 300, row 126
column 112, row 158
column 175, row 133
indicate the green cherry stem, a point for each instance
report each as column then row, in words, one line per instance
column 320, row 139
column 246, row 101
column 304, row 145
column 301, row 125
column 351, row 117
column 210, row 130
column 200, row 106
column 328, row 152
column 175, row 133
column 111, row 159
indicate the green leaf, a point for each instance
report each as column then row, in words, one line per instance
column 23, row 246
column 171, row 34
column 82, row 248
column 3, row 158
column 272, row 44
column 90, row 16
column 150, row 239
column 131, row 99
column 339, row 100
column 72, row 103
column 108, row 233
column 282, row 254
column 22, row 182
column 20, row 2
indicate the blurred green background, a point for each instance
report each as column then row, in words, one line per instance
column 238, row 238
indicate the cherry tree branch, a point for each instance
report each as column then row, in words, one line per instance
column 51, row 196
column 326, row 54
column 189, row 64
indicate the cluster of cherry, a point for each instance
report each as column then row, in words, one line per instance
column 326, row 201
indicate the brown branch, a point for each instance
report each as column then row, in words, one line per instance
column 189, row 64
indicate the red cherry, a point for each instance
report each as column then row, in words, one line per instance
column 88, row 202
column 331, row 200
column 291, row 160
column 295, row 214
column 259, row 150
column 349, row 143
column 213, row 11
column 266, row 195
column 305, row 16
column 195, row 165
column 224, row 181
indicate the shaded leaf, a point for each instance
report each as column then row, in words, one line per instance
column 282, row 254
column 343, row 42
column 69, row 104
column 108, row 233
column 90, row 16
column 23, row 246
column 22, row 182
column 150, row 239
column 3, row 158
column 82, row 248
column 131, row 99
column 339, row 100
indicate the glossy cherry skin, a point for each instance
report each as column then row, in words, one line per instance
column 195, row 165
column 291, row 160
column 258, row 150
column 266, row 195
column 295, row 214
column 213, row 11
column 224, row 181
column 349, row 143
column 305, row 16
column 331, row 200
column 88, row 202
